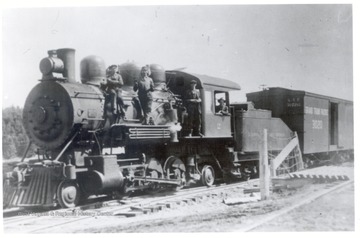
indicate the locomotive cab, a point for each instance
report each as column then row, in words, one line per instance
column 213, row 123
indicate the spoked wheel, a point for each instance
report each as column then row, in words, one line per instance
column 175, row 169
column 207, row 175
column 68, row 194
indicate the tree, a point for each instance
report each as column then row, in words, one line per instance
column 14, row 136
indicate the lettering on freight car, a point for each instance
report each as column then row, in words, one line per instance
column 316, row 111
column 317, row 124
column 293, row 102
column 308, row 110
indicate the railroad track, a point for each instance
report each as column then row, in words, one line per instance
column 43, row 222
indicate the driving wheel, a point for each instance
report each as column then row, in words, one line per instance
column 207, row 175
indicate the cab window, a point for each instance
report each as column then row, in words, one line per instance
column 221, row 102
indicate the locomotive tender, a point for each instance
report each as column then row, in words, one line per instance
column 84, row 150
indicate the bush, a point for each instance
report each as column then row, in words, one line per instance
column 14, row 136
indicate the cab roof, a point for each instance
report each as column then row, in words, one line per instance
column 203, row 81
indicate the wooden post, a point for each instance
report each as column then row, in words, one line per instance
column 264, row 168
column 272, row 169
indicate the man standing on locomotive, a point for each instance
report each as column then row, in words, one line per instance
column 113, row 85
column 192, row 102
column 144, row 87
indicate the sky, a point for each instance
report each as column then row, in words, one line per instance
column 302, row 47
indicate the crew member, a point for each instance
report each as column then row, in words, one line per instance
column 144, row 87
column 222, row 109
column 112, row 86
column 192, row 102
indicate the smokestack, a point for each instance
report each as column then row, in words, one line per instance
column 67, row 55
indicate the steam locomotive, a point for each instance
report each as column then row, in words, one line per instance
column 83, row 149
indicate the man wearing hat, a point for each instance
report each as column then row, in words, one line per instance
column 192, row 102
column 222, row 109
column 112, row 85
column 145, row 87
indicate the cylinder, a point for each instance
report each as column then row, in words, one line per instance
column 94, row 182
column 67, row 55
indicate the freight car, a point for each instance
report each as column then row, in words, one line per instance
column 324, row 124
column 83, row 149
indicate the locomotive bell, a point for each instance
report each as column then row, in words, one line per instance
column 93, row 70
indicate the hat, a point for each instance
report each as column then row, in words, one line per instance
column 193, row 82
column 221, row 99
column 112, row 69
column 112, row 66
column 147, row 69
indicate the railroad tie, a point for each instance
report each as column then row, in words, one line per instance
column 136, row 208
column 161, row 207
column 150, row 209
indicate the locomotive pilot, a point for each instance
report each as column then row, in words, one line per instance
column 192, row 102
column 222, row 109
column 145, row 87
column 113, row 85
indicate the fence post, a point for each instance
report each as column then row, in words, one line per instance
column 264, row 168
column 272, row 169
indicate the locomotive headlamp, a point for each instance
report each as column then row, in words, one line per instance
column 51, row 64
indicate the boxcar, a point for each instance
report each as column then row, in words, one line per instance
column 324, row 124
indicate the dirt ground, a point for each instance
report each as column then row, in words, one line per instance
column 332, row 212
